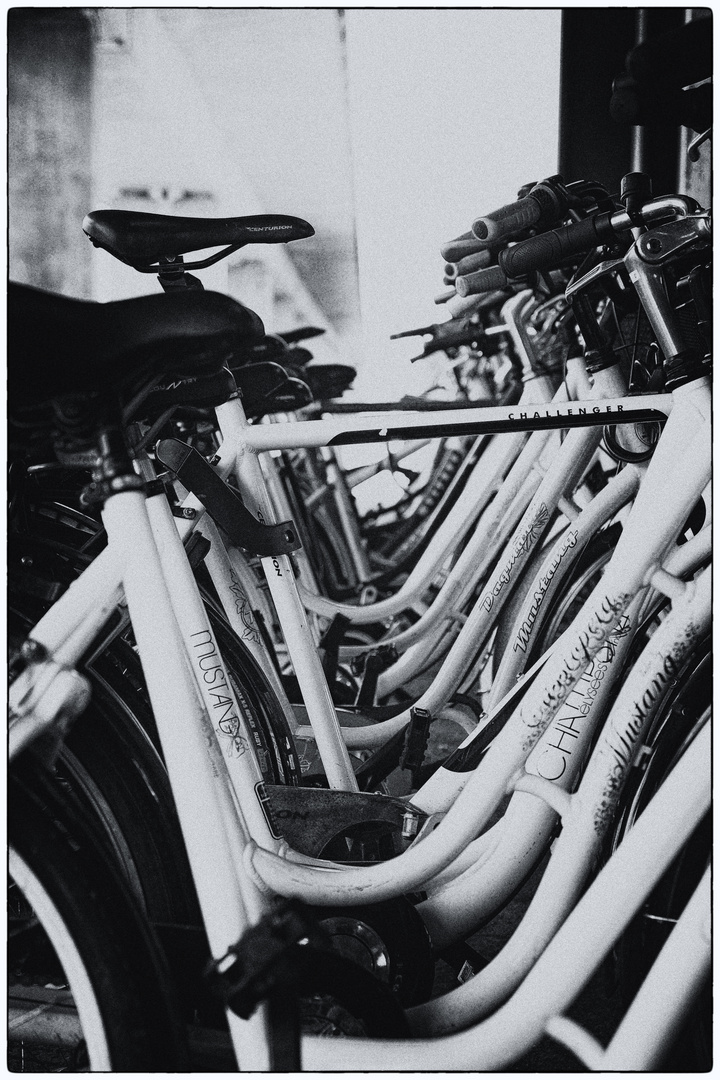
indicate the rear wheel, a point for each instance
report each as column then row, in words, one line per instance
column 88, row 988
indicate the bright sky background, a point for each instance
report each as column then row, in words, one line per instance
column 451, row 111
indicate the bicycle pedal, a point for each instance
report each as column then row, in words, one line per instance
column 416, row 742
column 257, row 965
column 376, row 661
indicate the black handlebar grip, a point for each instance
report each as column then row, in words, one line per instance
column 482, row 281
column 461, row 246
column 508, row 220
column 543, row 204
column 550, row 250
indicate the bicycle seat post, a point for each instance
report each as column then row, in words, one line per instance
column 175, row 278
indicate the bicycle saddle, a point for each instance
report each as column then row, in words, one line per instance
column 267, row 387
column 143, row 239
column 328, row 380
column 58, row 345
column 274, row 348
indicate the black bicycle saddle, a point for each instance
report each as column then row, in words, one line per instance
column 142, row 240
column 58, row 345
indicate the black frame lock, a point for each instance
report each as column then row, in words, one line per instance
column 224, row 505
column 287, row 955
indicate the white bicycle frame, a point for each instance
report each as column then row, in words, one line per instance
column 676, row 476
column 485, row 480
column 250, row 481
column 514, row 315
column 498, row 458
column 486, row 542
column 426, row 796
column 572, row 956
column 238, row 455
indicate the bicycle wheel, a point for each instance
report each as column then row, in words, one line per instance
column 262, row 712
column 114, row 775
column 321, row 530
column 684, row 713
column 88, row 988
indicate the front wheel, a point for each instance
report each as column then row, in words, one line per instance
column 88, row 989
column 679, row 720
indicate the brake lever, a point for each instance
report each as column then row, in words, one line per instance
column 693, row 150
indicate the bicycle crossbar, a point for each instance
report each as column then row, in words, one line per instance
column 502, row 418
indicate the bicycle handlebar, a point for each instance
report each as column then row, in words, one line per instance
column 461, row 246
column 508, row 219
column 494, row 277
column 550, row 250
column 546, row 203
column 471, row 263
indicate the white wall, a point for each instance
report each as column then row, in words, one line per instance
column 451, row 112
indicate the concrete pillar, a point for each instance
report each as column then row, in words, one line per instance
column 49, row 147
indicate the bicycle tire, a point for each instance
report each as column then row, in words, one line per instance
column 398, row 545
column 680, row 717
column 323, row 535
column 75, row 925
column 263, row 713
column 109, row 767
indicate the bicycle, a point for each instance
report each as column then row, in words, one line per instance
column 680, row 424
column 379, row 731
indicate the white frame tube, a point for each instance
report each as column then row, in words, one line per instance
column 228, row 900
column 677, row 475
column 665, row 999
column 585, row 817
column 291, row 613
column 572, row 956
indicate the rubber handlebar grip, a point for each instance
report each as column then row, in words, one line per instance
column 481, row 282
column 462, row 246
column 549, row 250
column 508, row 220
column 471, row 263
